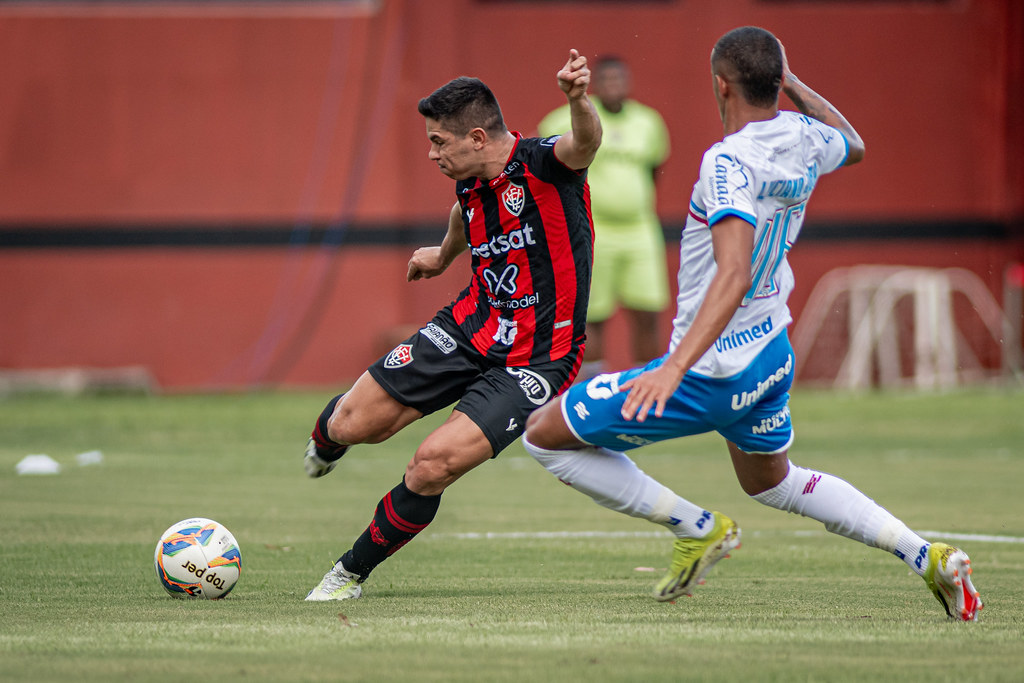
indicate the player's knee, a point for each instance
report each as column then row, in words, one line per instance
column 346, row 427
column 431, row 469
column 542, row 426
column 341, row 428
column 534, row 419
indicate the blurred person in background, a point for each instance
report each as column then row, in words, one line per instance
column 629, row 250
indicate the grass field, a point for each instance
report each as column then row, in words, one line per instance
column 518, row 578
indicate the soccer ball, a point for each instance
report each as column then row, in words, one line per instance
column 197, row 558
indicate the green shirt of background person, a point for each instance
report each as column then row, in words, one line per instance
column 629, row 247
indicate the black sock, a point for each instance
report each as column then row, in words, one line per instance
column 400, row 515
column 326, row 448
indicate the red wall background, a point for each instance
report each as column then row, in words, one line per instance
column 233, row 116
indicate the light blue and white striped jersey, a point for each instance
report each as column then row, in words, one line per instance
column 763, row 173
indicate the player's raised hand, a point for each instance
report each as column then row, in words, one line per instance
column 786, row 73
column 574, row 77
column 426, row 262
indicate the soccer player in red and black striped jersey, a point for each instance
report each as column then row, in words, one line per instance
column 511, row 341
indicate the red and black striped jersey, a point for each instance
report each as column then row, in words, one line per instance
column 531, row 237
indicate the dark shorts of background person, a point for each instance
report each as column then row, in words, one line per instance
column 438, row 366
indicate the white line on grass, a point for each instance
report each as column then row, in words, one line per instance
column 973, row 537
column 478, row 535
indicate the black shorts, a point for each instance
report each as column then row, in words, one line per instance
column 438, row 366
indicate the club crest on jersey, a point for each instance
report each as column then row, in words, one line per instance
column 514, row 198
column 399, row 356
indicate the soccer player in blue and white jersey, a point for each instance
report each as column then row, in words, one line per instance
column 730, row 364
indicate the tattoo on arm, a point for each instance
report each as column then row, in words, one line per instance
column 817, row 107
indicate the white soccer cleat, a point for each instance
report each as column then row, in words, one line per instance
column 949, row 578
column 316, row 464
column 337, row 584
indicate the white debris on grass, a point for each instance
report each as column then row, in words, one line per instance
column 89, row 458
column 38, row 463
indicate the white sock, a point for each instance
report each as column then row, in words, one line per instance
column 614, row 481
column 846, row 511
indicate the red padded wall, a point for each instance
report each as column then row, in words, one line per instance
column 218, row 114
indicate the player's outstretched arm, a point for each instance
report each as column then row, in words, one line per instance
column 427, row 262
column 733, row 244
column 817, row 107
column 577, row 147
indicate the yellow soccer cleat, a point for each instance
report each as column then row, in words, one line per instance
column 949, row 578
column 693, row 558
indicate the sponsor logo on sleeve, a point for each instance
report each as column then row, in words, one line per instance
column 439, row 337
column 729, row 176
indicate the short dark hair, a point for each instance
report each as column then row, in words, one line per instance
column 463, row 104
column 753, row 56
